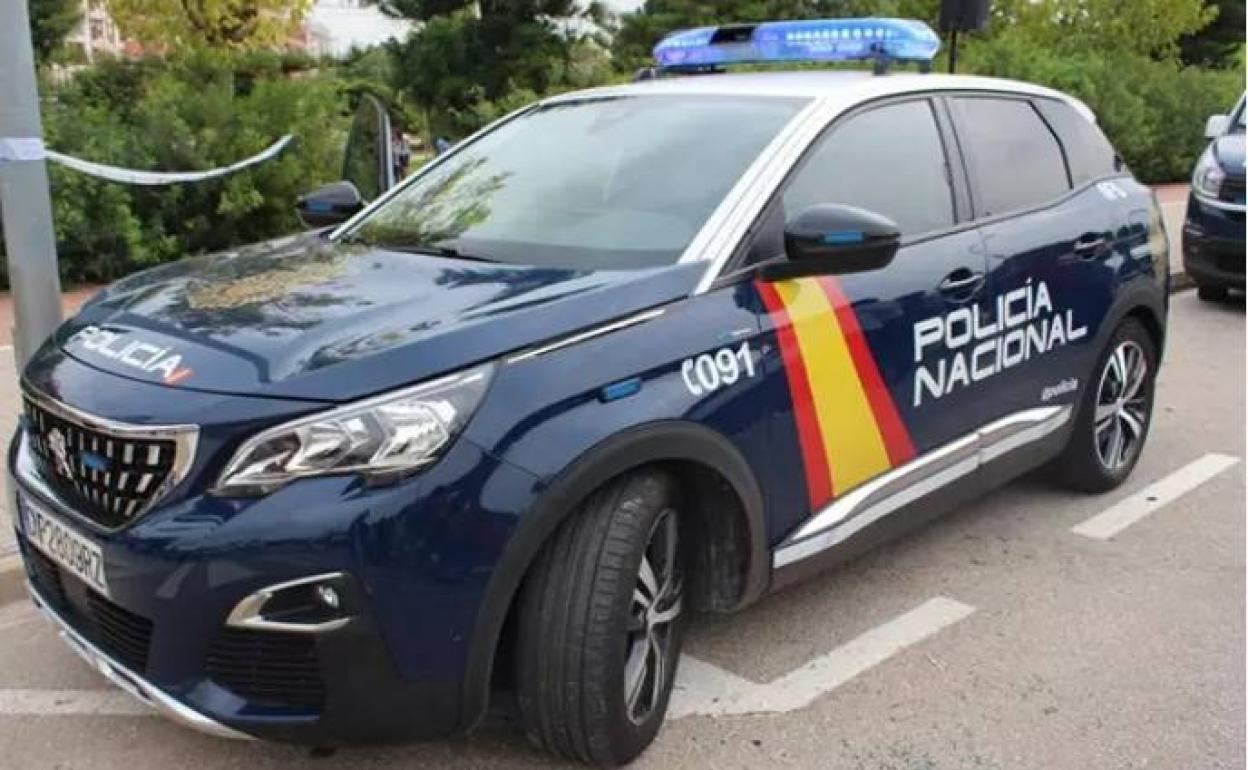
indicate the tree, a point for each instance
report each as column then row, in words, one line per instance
column 470, row 59
column 1145, row 27
column 232, row 24
column 50, row 22
column 1217, row 44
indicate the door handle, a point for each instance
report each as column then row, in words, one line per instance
column 1089, row 245
column 962, row 281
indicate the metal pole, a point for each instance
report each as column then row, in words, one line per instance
column 953, row 52
column 25, row 204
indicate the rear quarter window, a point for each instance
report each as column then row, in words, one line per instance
column 1088, row 152
column 1015, row 161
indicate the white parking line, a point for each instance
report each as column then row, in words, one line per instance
column 704, row 689
column 1126, row 512
column 70, row 703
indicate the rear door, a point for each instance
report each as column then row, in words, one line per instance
column 846, row 344
column 1052, row 245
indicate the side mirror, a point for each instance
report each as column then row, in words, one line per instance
column 830, row 239
column 1216, row 125
column 329, row 205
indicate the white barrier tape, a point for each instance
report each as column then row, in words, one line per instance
column 16, row 149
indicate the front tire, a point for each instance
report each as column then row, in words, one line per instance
column 600, row 624
column 1114, row 415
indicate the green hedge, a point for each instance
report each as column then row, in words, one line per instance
column 1153, row 110
column 195, row 113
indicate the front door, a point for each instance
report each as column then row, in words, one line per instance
column 863, row 354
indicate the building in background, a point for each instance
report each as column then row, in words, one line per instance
column 96, row 35
column 334, row 27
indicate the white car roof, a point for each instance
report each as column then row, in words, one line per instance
column 849, row 87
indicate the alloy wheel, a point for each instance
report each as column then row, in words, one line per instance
column 656, row 605
column 1122, row 406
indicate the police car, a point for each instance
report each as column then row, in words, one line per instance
column 628, row 354
column 1213, row 232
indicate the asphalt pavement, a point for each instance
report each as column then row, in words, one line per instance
column 1035, row 629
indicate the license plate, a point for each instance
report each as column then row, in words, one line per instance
column 63, row 545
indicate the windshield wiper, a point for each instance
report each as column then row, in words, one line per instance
column 453, row 253
column 429, row 251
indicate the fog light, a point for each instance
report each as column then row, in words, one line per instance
column 328, row 596
column 309, row 605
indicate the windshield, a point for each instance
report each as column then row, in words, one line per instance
column 1237, row 120
column 604, row 183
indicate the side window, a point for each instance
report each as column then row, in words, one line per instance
column 889, row 160
column 1088, row 152
column 1014, row 158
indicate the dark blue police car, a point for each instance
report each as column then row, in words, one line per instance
column 627, row 354
column 1213, row 234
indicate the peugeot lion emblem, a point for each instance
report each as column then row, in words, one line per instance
column 60, row 453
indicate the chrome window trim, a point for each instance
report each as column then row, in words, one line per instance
column 138, row 687
column 249, row 613
column 184, row 436
column 873, row 500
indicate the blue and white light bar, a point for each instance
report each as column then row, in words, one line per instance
column 881, row 40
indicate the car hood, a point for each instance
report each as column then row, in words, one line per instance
column 307, row 318
column 1229, row 151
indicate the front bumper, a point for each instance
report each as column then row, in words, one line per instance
column 129, row 681
column 418, row 554
column 1213, row 243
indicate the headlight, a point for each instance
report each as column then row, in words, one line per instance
column 382, row 438
column 1207, row 179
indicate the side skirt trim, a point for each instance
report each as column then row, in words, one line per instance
column 891, row 491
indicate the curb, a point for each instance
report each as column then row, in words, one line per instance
column 1180, row 281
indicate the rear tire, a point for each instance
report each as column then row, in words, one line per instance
column 1114, row 415
column 1211, row 293
column 600, row 624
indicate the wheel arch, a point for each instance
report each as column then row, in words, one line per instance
column 1147, row 303
column 1152, row 324
column 698, row 454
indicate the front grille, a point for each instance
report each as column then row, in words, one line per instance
column 123, row 635
column 268, row 667
column 106, row 477
column 1232, row 190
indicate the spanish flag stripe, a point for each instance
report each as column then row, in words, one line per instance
column 851, row 438
column 892, row 429
column 814, row 458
